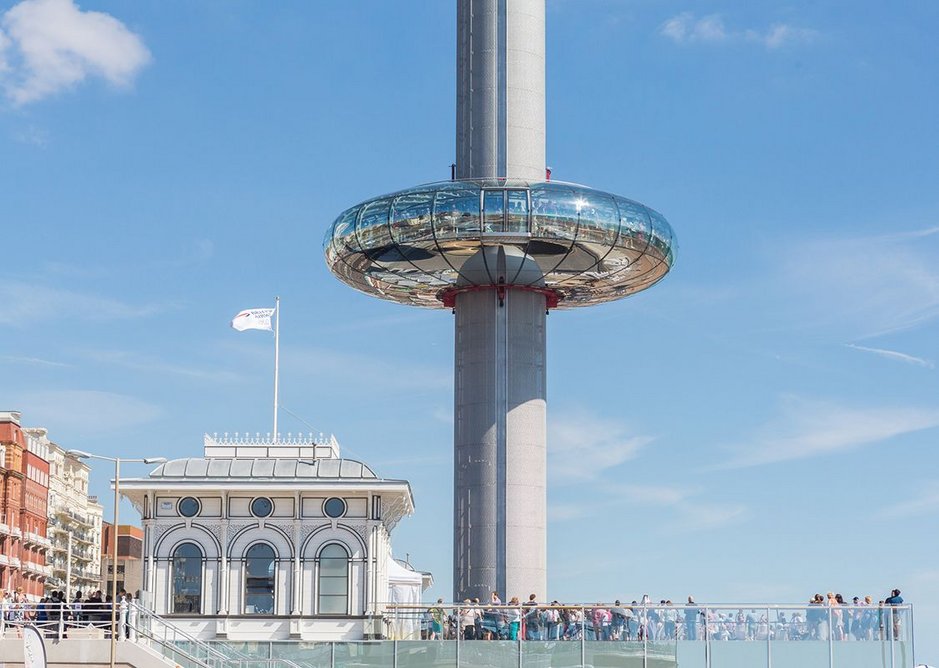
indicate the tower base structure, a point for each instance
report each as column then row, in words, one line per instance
column 499, row 523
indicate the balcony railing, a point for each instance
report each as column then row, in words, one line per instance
column 689, row 635
column 36, row 539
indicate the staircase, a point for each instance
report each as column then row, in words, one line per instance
column 188, row 651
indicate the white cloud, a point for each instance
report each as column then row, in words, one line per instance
column 894, row 355
column 32, row 135
column 47, row 46
column 685, row 28
column 83, row 413
column 32, row 361
column 26, row 303
column 583, row 445
column 781, row 34
column 814, row 428
column 687, row 509
column 871, row 285
column 927, row 501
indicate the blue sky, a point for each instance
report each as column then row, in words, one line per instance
column 759, row 426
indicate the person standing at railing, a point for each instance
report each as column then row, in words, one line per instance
column 618, row 622
column 437, row 617
column 77, row 608
column 893, row 601
column 532, row 619
column 552, row 617
column 493, row 615
column 691, row 619
column 817, row 619
column 468, row 616
column 18, row 608
column 670, row 616
column 597, row 616
column 515, row 618
column 91, row 609
column 836, row 603
column 868, row 619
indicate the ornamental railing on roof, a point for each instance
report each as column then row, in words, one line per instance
column 268, row 439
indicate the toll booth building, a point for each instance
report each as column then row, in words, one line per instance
column 264, row 541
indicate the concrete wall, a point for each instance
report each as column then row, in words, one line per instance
column 83, row 653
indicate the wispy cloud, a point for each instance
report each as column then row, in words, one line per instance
column 47, row 46
column 688, row 509
column 32, row 361
column 146, row 364
column 925, row 502
column 687, row 28
column 32, row 135
column 26, row 303
column 894, row 355
column 865, row 286
column 582, row 445
column 82, row 413
column 807, row 429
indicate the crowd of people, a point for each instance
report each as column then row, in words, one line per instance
column 823, row 618
column 56, row 614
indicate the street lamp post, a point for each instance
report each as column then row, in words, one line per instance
column 80, row 454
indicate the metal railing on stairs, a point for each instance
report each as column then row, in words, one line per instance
column 186, row 649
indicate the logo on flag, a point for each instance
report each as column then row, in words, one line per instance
column 253, row 318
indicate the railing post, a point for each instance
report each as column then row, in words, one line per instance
column 394, row 660
column 892, row 626
column 332, row 654
column 769, row 635
column 583, row 636
column 459, row 633
column 707, row 638
column 645, row 638
column 61, row 624
column 520, row 645
column 831, row 642
column 912, row 637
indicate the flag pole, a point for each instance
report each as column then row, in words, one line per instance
column 276, row 359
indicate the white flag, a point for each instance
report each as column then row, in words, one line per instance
column 253, row 318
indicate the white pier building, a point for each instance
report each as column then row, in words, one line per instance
column 258, row 540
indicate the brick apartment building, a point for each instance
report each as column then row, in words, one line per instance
column 129, row 557
column 24, row 494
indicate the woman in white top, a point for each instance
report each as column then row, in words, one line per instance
column 468, row 617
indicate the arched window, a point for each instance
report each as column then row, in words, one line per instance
column 333, row 585
column 187, row 579
column 259, row 579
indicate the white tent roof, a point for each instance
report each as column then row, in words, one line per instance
column 400, row 574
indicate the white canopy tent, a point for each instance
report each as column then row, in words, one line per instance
column 405, row 587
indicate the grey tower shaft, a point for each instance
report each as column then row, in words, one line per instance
column 500, row 107
column 499, row 541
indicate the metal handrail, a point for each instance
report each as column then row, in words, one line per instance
column 228, row 658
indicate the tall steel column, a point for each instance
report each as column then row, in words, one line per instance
column 499, row 535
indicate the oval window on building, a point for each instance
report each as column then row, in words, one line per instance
column 262, row 507
column 189, row 506
column 334, row 507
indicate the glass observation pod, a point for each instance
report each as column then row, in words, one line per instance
column 412, row 246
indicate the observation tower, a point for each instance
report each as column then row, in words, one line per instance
column 500, row 245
